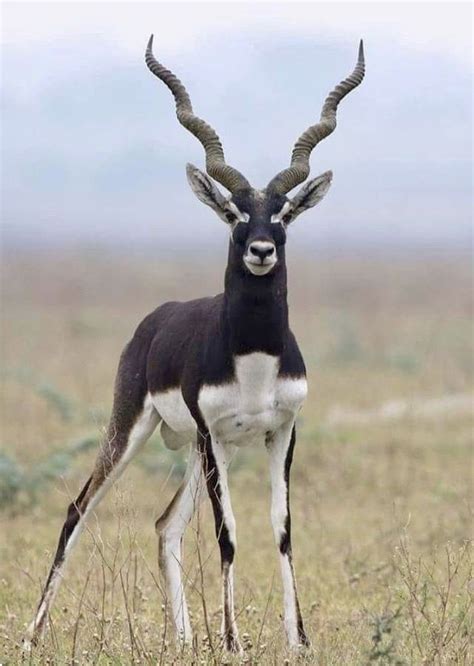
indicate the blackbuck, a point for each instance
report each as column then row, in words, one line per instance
column 217, row 373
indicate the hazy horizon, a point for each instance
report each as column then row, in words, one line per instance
column 93, row 153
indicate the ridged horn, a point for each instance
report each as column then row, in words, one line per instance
column 216, row 166
column 299, row 168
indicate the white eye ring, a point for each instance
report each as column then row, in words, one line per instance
column 240, row 217
column 277, row 218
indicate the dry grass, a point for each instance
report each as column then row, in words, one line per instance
column 381, row 506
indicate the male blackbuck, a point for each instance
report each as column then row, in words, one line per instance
column 217, row 372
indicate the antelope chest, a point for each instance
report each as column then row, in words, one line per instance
column 256, row 402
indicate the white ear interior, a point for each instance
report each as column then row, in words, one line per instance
column 310, row 194
column 208, row 193
column 203, row 187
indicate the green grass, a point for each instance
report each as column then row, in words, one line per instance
column 382, row 507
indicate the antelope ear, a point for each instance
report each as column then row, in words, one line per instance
column 310, row 194
column 205, row 190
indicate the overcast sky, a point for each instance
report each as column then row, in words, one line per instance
column 92, row 150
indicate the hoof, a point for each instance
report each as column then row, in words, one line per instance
column 32, row 637
column 29, row 641
column 298, row 641
column 232, row 644
column 26, row 646
column 303, row 650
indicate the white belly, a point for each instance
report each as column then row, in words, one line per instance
column 178, row 427
column 255, row 403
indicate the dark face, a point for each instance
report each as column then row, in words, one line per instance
column 257, row 244
column 257, row 220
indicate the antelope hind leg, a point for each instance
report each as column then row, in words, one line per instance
column 125, row 438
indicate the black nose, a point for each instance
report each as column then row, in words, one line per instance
column 261, row 249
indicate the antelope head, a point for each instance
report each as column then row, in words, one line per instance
column 257, row 219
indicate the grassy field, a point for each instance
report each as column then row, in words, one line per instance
column 381, row 484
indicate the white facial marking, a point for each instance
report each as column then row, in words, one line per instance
column 277, row 218
column 255, row 403
column 241, row 217
column 260, row 257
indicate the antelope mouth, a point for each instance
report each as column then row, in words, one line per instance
column 256, row 267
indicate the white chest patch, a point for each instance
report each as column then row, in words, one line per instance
column 255, row 403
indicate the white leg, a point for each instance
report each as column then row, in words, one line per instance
column 117, row 451
column 280, row 447
column 229, row 542
column 170, row 527
column 217, row 458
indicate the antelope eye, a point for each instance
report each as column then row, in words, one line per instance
column 230, row 217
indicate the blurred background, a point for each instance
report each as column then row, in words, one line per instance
column 93, row 152
column 99, row 226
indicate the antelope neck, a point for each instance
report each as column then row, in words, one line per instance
column 255, row 312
